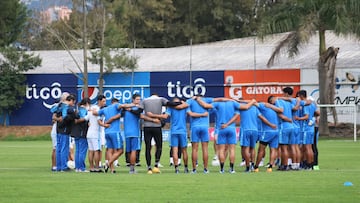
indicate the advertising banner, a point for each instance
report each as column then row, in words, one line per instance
column 41, row 93
column 186, row 84
column 346, row 91
column 117, row 85
column 260, row 84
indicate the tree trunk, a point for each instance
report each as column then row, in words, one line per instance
column 101, row 74
column 326, row 68
column 331, row 78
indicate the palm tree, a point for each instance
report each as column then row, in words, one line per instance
column 302, row 19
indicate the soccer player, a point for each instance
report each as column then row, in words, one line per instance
column 178, row 135
column 269, row 135
column 199, row 125
column 152, row 129
column 94, row 135
column 284, row 110
column 249, row 133
column 226, row 115
column 308, row 122
column 114, row 141
column 63, row 132
column 132, row 115
column 79, row 131
column 54, row 110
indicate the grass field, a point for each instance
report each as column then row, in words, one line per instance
column 26, row 177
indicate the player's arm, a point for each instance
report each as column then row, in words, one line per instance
column 123, row 106
column 247, row 105
column 204, row 104
column 150, row 119
column 222, row 99
column 110, row 120
column 284, row 118
column 232, row 120
column 302, row 118
column 267, row 122
column 197, row 115
column 158, row 116
column 275, row 108
column 135, row 111
column 183, row 105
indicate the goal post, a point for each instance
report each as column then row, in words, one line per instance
column 347, row 115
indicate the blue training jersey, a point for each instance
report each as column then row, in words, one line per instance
column 287, row 107
column 249, row 118
column 109, row 112
column 225, row 111
column 177, row 120
column 195, row 107
column 270, row 115
column 309, row 110
column 132, row 123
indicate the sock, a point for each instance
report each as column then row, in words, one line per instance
column 256, row 166
column 186, row 166
column 222, row 166
column 171, row 160
column 156, row 164
column 176, row 167
column 270, row 165
column 248, row 168
column 232, row 166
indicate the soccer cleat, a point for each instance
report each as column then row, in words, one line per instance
column 193, row 171
column 156, row 170
column 242, row 163
column 206, row 171
column 137, row 164
column 215, row 162
column 232, row 171
column 256, row 170
column 132, row 172
column 261, row 162
column 186, row 170
column 106, row 167
column 159, row 165
column 177, row 171
column 269, row 170
column 149, row 172
column 267, row 165
column 221, row 172
column 113, row 171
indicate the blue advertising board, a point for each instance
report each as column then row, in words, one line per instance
column 41, row 93
column 186, row 84
column 117, row 85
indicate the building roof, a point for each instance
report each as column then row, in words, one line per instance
column 235, row 54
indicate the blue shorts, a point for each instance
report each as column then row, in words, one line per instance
column 199, row 134
column 248, row 138
column 271, row 138
column 284, row 135
column 114, row 141
column 308, row 137
column 227, row 136
column 132, row 144
column 178, row 140
column 295, row 136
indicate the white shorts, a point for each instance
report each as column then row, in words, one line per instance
column 102, row 137
column 71, row 142
column 53, row 136
column 94, row 144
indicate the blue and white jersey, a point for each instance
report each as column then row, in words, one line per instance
column 177, row 120
column 195, row 107
column 109, row 112
column 270, row 115
column 249, row 118
column 225, row 111
column 131, row 123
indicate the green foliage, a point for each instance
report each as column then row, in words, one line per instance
column 13, row 64
column 114, row 59
column 13, row 16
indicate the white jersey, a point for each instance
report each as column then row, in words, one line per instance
column 94, row 127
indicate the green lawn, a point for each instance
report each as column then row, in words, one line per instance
column 26, row 177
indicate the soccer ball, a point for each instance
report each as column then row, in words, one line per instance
column 215, row 162
column 71, row 164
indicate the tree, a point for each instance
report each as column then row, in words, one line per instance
column 13, row 16
column 303, row 19
column 13, row 64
